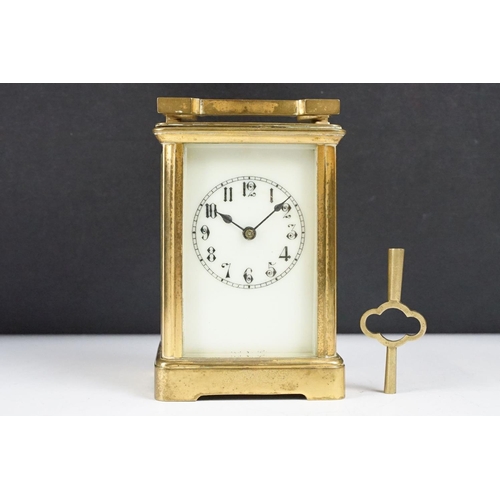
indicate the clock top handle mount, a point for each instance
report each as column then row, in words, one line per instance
column 190, row 109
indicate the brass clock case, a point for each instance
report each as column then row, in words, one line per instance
column 179, row 378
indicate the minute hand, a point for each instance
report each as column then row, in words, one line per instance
column 277, row 208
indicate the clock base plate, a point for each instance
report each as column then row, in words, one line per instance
column 187, row 379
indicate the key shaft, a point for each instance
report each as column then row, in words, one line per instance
column 395, row 274
column 390, row 370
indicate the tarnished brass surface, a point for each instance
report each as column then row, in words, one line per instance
column 327, row 251
column 391, row 359
column 179, row 108
column 395, row 274
column 185, row 379
column 251, row 133
column 171, row 250
column 395, row 281
column 189, row 379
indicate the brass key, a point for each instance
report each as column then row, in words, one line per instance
column 395, row 282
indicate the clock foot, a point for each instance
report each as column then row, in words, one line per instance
column 181, row 379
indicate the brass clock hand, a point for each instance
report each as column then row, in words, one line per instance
column 277, row 208
column 229, row 220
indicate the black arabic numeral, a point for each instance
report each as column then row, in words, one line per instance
column 286, row 208
column 284, row 254
column 211, row 210
column 211, row 254
column 228, row 265
column 248, row 275
column 205, row 232
column 292, row 234
column 271, row 272
column 249, row 189
column 228, row 191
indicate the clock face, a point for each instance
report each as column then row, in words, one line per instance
column 249, row 268
column 248, row 232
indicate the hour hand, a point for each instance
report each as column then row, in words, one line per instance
column 228, row 220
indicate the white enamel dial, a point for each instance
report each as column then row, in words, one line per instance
column 249, row 297
column 248, row 232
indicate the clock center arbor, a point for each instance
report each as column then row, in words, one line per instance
column 248, row 249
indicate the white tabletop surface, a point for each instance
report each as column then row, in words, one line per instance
column 453, row 374
column 88, row 378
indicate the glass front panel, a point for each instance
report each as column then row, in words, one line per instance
column 250, row 250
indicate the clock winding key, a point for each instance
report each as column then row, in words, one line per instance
column 395, row 280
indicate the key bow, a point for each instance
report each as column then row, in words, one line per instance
column 395, row 281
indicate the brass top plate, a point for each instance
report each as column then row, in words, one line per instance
column 189, row 108
column 248, row 133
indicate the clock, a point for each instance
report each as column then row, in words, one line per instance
column 248, row 235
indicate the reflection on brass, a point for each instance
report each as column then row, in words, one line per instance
column 171, row 250
column 186, row 379
column 248, row 133
column 395, row 281
column 188, row 109
column 178, row 378
column 327, row 250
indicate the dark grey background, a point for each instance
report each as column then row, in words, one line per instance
column 79, row 202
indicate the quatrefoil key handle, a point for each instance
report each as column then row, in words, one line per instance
column 395, row 282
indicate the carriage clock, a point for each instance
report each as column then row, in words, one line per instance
column 248, row 249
